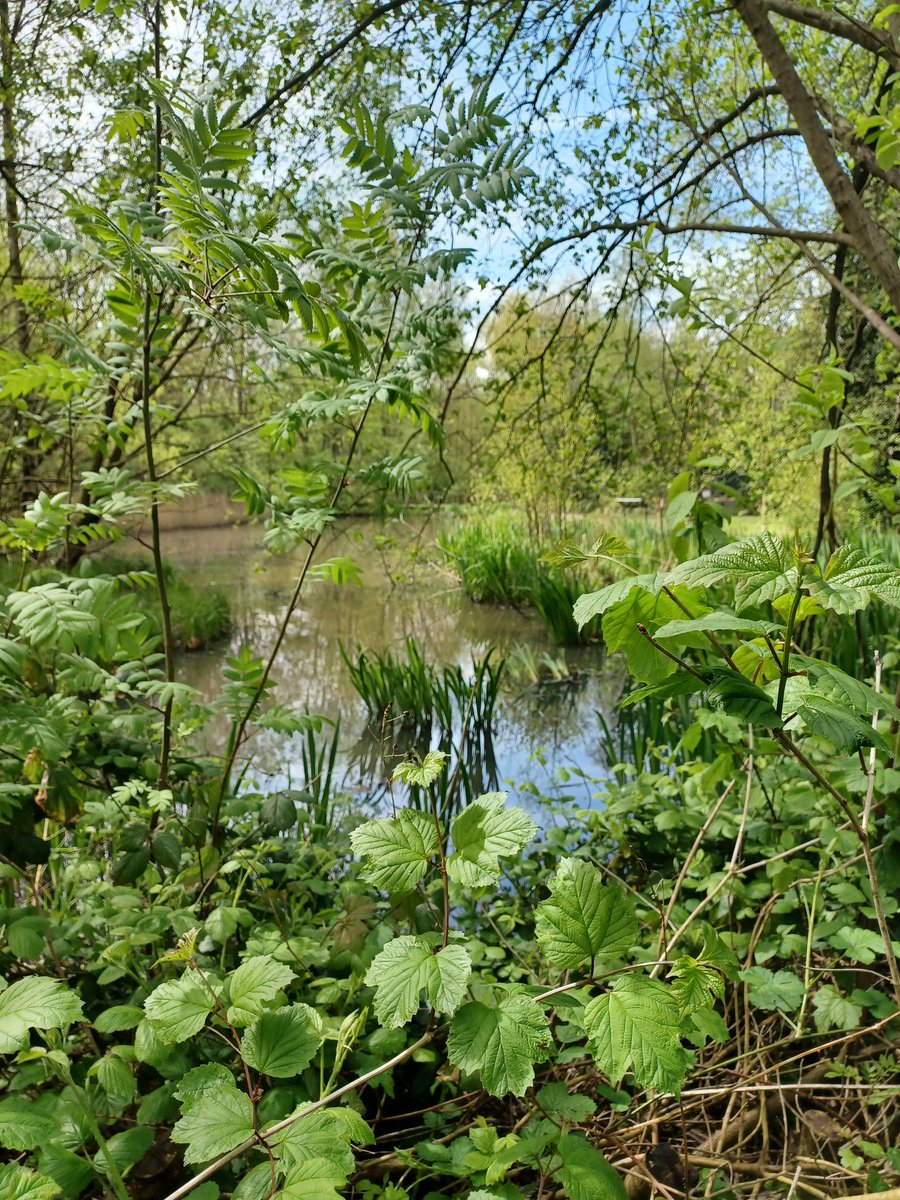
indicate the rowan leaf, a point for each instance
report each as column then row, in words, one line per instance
column 635, row 1026
column 584, row 918
column 483, row 833
column 396, row 852
column 34, row 1003
column 255, row 982
column 406, row 967
column 501, row 1043
column 283, row 1042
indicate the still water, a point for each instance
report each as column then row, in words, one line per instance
column 545, row 738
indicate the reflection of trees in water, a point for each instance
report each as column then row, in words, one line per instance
column 557, row 721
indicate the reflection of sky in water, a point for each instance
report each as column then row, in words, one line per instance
column 538, row 733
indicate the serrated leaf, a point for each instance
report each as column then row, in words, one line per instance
column 22, row 1127
column 761, row 568
column 314, row 1179
column 126, row 1148
column 283, row 1043
column 845, row 690
column 585, row 1174
column 695, row 984
column 18, row 1184
column 560, row 1104
column 846, row 731
column 406, row 967
column 732, row 693
column 851, row 578
column 721, row 621
column 859, row 945
column 200, row 1080
column 326, row 1133
column 483, row 833
column 621, row 631
column 64, row 1167
column 396, row 852
column 178, row 1009
column 502, row 1043
column 34, row 1003
column 593, row 604
column 214, row 1122
column 774, row 991
column 831, row 1010
column 255, row 982
column 635, row 1026
column 420, row 774
column 584, row 918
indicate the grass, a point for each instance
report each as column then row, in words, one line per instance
column 497, row 563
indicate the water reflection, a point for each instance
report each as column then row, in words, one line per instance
column 540, row 734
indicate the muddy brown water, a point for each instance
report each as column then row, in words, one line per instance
column 545, row 739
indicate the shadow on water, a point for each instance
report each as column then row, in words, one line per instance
column 542, row 737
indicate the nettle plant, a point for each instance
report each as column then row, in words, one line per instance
column 429, row 980
column 725, row 628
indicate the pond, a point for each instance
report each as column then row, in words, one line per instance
column 546, row 738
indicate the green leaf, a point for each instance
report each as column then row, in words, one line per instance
column 585, row 1174
column 409, row 965
column 420, row 774
column 501, row 1043
column 178, row 1009
column 859, row 945
column 774, row 991
column 118, row 1018
column 18, row 1184
column 213, row 1122
column 125, row 1148
column 283, row 1043
column 760, row 568
column 396, row 852
column 621, row 632
column 69, row 1170
column 593, row 604
column 846, row 731
column 636, row 1026
column 314, row 1179
column 278, row 811
column 584, row 918
column 851, row 579
column 484, row 832
column 845, row 690
column 326, row 1133
column 562, row 1105
column 696, row 984
column 22, row 1127
column 34, row 1003
column 831, row 1010
column 721, row 621
column 731, row 693
column 256, row 981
